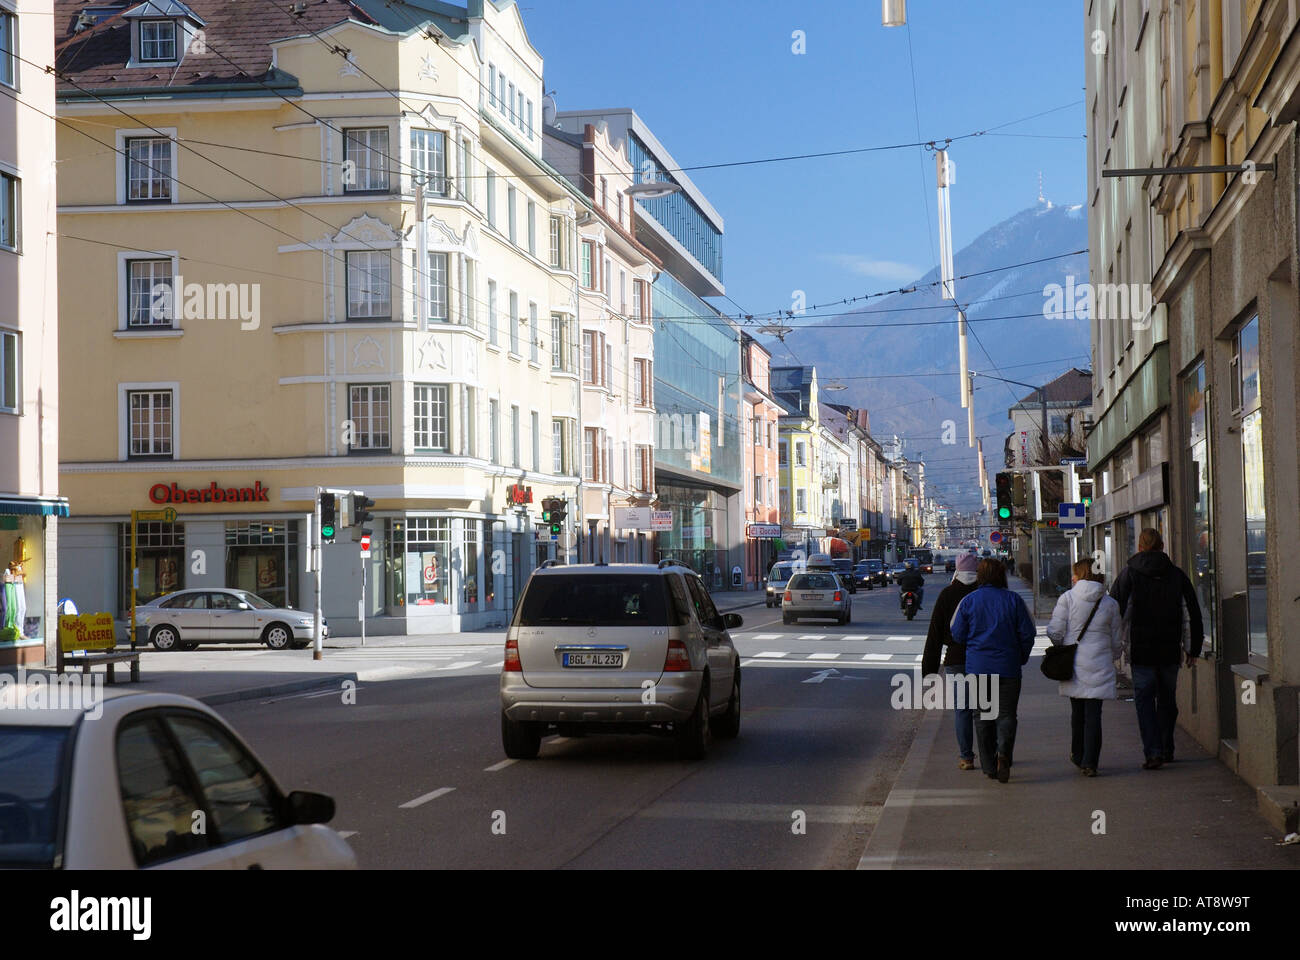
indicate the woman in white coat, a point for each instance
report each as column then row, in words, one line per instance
column 1087, row 616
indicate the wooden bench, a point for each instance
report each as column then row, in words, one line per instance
column 88, row 660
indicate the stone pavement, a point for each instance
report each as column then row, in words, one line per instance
column 1191, row 814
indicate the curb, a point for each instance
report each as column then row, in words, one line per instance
column 886, row 839
column 274, row 689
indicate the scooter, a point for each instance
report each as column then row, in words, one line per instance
column 911, row 603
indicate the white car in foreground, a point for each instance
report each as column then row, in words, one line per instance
column 149, row 780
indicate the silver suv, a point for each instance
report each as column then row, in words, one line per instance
column 619, row 648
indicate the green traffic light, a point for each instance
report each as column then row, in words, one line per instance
column 546, row 516
column 327, row 530
column 1004, row 513
column 555, row 529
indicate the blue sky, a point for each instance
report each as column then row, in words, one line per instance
column 719, row 82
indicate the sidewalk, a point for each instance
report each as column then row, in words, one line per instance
column 1192, row 814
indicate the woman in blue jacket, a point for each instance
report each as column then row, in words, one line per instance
column 994, row 626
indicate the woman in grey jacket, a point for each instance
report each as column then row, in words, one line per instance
column 1100, row 645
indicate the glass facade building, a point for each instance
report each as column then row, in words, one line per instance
column 678, row 213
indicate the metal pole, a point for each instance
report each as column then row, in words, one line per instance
column 362, row 607
column 135, row 579
column 316, row 653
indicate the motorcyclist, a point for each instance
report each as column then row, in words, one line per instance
column 911, row 579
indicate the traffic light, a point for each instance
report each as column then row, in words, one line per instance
column 1019, row 498
column 554, row 510
column 327, row 517
column 361, row 514
column 1004, row 496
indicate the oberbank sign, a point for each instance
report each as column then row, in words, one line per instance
column 173, row 493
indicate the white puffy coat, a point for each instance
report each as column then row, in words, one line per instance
column 1094, row 664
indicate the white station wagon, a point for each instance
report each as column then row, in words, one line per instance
column 150, row 780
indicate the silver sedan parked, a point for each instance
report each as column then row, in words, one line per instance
column 187, row 618
column 816, row 595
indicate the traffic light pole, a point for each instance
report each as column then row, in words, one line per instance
column 316, row 653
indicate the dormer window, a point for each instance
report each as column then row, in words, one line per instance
column 158, row 41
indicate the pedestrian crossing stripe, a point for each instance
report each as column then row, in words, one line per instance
column 813, row 636
column 823, row 656
column 771, row 653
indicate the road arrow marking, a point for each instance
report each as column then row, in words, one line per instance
column 821, row 675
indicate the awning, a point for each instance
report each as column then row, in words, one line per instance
column 34, row 506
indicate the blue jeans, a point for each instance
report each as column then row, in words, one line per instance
column 999, row 735
column 1155, row 694
column 965, row 722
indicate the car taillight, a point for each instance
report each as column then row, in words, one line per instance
column 678, row 658
column 837, row 596
column 512, row 663
column 788, row 596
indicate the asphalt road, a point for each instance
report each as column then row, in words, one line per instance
column 420, row 779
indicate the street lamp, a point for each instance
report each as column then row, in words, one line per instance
column 652, row 189
column 893, row 13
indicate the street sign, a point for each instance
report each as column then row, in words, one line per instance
column 995, row 536
column 365, row 548
column 1071, row 516
column 1072, row 531
column 763, row 531
column 661, row 520
column 167, row 515
column 1077, row 461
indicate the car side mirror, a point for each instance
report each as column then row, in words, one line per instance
column 733, row 621
column 306, row 807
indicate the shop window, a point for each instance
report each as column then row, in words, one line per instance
column 469, row 566
column 489, row 575
column 428, row 571
column 160, row 556
column 262, row 558
column 1252, row 469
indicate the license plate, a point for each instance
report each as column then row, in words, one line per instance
column 810, row 596
column 593, row 659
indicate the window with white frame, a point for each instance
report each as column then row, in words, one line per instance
column 492, row 199
column 801, row 500
column 369, row 411
column 557, row 252
column 585, row 271
column 10, row 389
column 532, row 228
column 608, row 281
column 537, row 441
column 492, row 312
column 592, row 448
column 438, row 292
column 510, row 102
column 149, row 419
column 638, row 299
column 469, row 421
column 431, row 417
column 429, row 159
column 494, row 427
column 557, row 447
column 157, row 41
column 800, row 454
column 9, row 195
column 150, row 299
column 8, row 48
column 464, row 172
column 515, row 427
column 468, row 299
column 512, row 204
column 608, row 364
column 148, row 169
column 533, row 333
column 369, row 280
column 492, row 85
column 512, row 322
column 365, row 155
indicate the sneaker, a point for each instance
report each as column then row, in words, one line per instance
column 1004, row 768
column 1153, row 763
column 964, row 764
column 1088, row 771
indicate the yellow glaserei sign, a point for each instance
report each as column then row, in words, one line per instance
column 87, row 631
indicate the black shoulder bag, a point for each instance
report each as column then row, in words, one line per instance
column 1058, row 659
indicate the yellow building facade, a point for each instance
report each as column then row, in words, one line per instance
column 366, row 294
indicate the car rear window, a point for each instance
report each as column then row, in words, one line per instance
column 781, row 572
column 31, row 794
column 814, row 581
column 595, row 600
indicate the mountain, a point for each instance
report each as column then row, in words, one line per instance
column 899, row 338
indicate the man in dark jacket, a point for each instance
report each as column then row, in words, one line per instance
column 1153, row 594
column 912, row 579
column 954, row 659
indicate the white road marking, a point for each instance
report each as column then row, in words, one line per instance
column 499, row 766
column 902, row 638
column 813, row 636
column 766, row 636
column 433, row 795
column 857, row 636
column 823, row 656
column 347, row 833
column 772, row 653
column 919, row 658
column 877, row 657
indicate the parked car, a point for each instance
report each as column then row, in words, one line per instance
column 820, row 595
column 187, row 618
column 120, row 790
column 777, row 578
column 588, row 643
